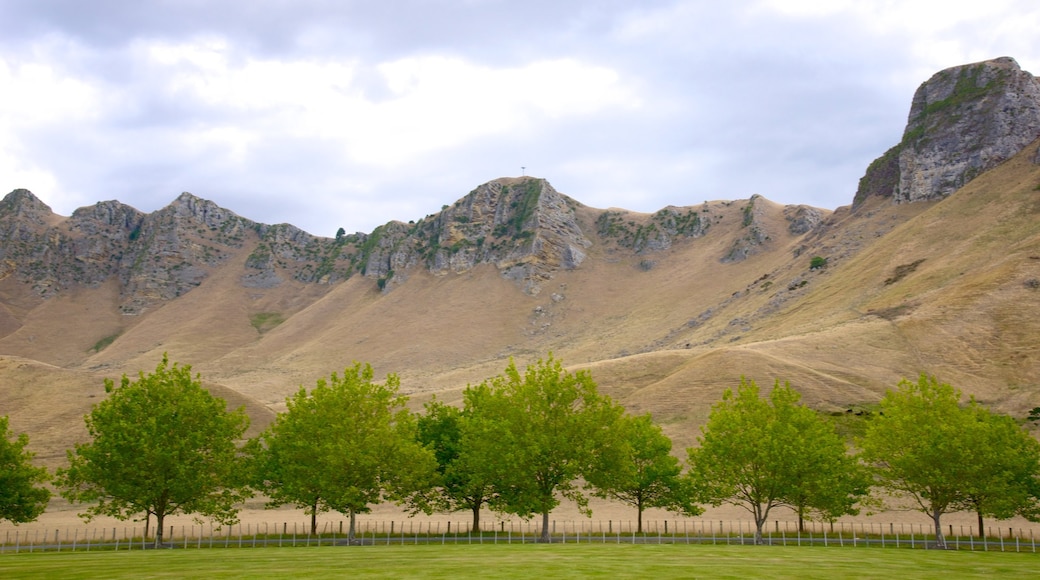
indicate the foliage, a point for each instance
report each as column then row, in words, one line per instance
column 160, row 445
column 549, row 428
column 644, row 474
column 105, row 342
column 918, row 447
column 22, row 499
column 264, row 321
column 817, row 263
column 461, row 452
column 346, row 444
column 758, row 454
column 1034, row 414
column 1006, row 465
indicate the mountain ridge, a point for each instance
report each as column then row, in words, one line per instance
column 667, row 308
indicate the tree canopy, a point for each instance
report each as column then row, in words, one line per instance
column 1005, row 461
column 760, row 453
column 22, row 498
column 945, row 457
column 918, row 447
column 348, row 443
column 461, row 453
column 549, row 427
column 642, row 472
column 159, row 445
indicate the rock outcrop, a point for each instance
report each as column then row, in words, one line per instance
column 754, row 236
column 522, row 226
column 963, row 121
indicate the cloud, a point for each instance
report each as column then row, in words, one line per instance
column 329, row 114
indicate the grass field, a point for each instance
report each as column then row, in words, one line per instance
column 525, row 561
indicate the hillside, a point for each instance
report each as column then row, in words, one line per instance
column 666, row 309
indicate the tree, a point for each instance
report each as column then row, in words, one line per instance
column 758, row 454
column 348, row 443
column 919, row 447
column 827, row 481
column 159, row 445
column 644, row 474
column 460, row 453
column 1005, row 466
column 549, row 427
column 21, row 498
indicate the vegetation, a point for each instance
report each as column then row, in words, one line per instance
column 758, row 454
column 945, row 458
column 1006, row 465
column 550, row 428
column 345, row 445
column 520, row 561
column 104, row 343
column 264, row 321
column 644, row 474
column 817, row 263
column 22, row 495
column 629, row 234
column 522, row 442
column 462, row 453
column 158, row 446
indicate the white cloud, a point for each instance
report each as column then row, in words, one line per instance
column 349, row 114
column 35, row 95
column 433, row 102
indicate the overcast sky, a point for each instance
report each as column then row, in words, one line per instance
column 328, row 114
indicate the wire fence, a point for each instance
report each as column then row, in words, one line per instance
column 410, row 532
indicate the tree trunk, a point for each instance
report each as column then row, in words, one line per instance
column 476, row 517
column 159, row 516
column 314, row 517
column 545, row 528
column 940, row 541
column 350, row 532
column 801, row 519
column 639, row 518
column 760, row 520
column 147, row 520
column 982, row 530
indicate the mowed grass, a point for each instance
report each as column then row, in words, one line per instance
column 524, row 561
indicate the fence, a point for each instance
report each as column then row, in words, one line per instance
column 372, row 533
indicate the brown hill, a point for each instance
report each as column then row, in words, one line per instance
column 666, row 309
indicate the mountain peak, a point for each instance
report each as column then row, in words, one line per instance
column 963, row 121
column 22, row 203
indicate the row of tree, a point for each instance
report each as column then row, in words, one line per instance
column 520, row 443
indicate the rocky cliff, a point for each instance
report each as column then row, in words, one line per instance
column 522, row 226
column 963, row 121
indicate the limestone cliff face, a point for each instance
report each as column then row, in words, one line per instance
column 523, row 226
column 963, row 121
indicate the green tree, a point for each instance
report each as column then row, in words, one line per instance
column 345, row 445
column 462, row 484
column 549, row 428
column 1005, row 461
column 827, row 482
column 644, row 474
column 919, row 447
column 22, row 499
column 160, row 445
column 758, row 454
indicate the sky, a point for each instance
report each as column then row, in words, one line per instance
column 349, row 113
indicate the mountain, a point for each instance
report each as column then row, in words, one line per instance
column 934, row 267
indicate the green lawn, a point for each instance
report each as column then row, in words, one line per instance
column 524, row 561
